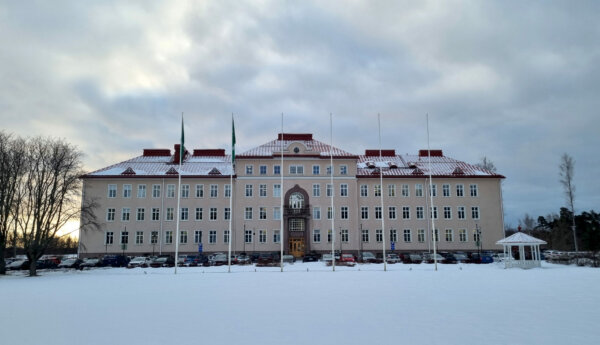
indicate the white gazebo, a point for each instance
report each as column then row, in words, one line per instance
column 521, row 241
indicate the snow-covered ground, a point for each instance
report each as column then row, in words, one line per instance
column 306, row 304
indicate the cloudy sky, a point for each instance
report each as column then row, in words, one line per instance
column 516, row 81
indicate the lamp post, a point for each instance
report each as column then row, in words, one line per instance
column 154, row 235
column 244, row 237
column 253, row 240
column 478, row 232
column 341, row 240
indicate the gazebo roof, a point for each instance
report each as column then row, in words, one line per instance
column 520, row 238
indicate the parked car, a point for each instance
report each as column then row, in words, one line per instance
column 477, row 258
column 139, row 261
column 42, row 264
column 90, row 262
column 449, row 259
column 412, row 258
column 368, row 257
column 70, row 263
column 18, row 265
column 163, row 261
column 265, row 259
column 312, row 257
column 347, row 260
column 392, row 258
column 243, row 259
column 289, row 259
column 218, row 259
column 431, row 258
column 114, row 260
column 461, row 258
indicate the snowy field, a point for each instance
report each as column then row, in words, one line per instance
column 306, row 304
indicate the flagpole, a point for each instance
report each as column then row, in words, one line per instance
column 231, row 191
column 433, row 236
column 181, row 154
column 281, row 201
column 381, row 195
column 332, row 192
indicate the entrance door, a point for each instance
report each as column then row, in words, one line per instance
column 297, row 247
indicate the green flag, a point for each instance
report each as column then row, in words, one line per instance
column 182, row 148
column 232, row 140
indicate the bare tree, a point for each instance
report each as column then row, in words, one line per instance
column 51, row 194
column 487, row 164
column 567, row 172
column 12, row 167
column 527, row 223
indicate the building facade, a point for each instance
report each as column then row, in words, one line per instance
column 137, row 201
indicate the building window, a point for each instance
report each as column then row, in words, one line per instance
column 262, row 213
column 276, row 237
column 248, row 213
column 185, row 191
column 391, row 190
column 198, row 236
column 109, row 237
column 419, row 190
column 168, row 237
column 316, row 213
column 276, row 213
column 344, row 212
column 263, row 169
column 248, row 236
column 169, row 213
column 226, row 236
column 408, row 235
column 141, row 192
column 377, row 190
column 461, row 212
column 316, row 169
column 317, row 236
column 110, row 215
column 277, row 191
column 405, row 212
column 296, row 170
column 262, row 236
column 155, row 213
column 420, row 212
column 316, row 190
column 433, row 190
column 124, row 237
column 199, row 191
column 462, row 235
column 475, row 212
column 433, row 212
column 445, row 190
column 212, row 236
column 329, row 189
column 184, row 213
column 447, row 212
column 156, row 191
column 460, row 190
column 249, row 169
column 262, row 190
column 213, row 213
column 125, row 214
column 227, row 213
column 378, row 235
column 473, row 189
column 421, row 235
column 343, row 170
column 405, row 191
column 364, row 190
column 183, row 237
column 476, row 236
column 377, row 212
column 248, row 190
column 276, row 170
column 228, row 191
column 170, row 191
column 329, row 235
column 198, row 213
column 393, row 235
column 140, row 214
column 392, row 212
column 365, row 235
column 329, row 212
column 214, row 191
column 154, row 237
column 345, row 236
column 112, row 190
column 343, row 189
column 328, row 170
column 437, row 235
column 364, row 212
column 449, row 235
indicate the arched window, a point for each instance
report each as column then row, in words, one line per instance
column 296, row 200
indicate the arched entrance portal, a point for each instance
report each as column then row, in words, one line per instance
column 297, row 213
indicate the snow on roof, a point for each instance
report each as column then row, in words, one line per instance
column 160, row 166
column 313, row 147
column 520, row 238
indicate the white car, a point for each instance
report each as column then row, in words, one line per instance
column 139, row 261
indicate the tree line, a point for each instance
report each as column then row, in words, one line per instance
column 40, row 191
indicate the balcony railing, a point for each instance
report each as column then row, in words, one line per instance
column 297, row 212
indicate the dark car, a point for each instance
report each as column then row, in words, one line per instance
column 449, row 259
column 477, row 258
column 412, row 258
column 45, row 264
column 90, row 262
column 265, row 259
column 70, row 263
column 461, row 258
column 115, row 260
column 163, row 261
column 312, row 257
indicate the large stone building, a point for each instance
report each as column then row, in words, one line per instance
column 138, row 201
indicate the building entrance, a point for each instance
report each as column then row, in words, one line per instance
column 297, row 247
